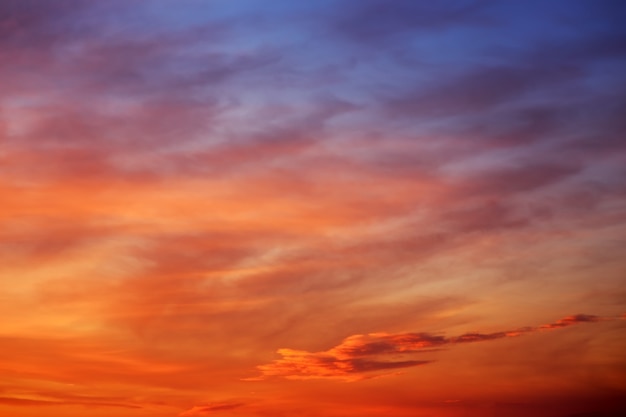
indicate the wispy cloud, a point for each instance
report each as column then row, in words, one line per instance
column 211, row 408
column 356, row 356
column 571, row 320
column 86, row 402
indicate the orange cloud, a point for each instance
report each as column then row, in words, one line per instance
column 359, row 355
column 211, row 408
column 571, row 320
column 16, row 401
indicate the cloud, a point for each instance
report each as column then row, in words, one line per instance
column 480, row 89
column 358, row 355
column 27, row 402
column 374, row 21
column 87, row 402
column 31, row 23
column 297, row 364
column 571, row 320
column 521, row 177
column 211, row 408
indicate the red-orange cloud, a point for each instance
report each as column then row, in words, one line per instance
column 211, row 408
column 571, row 320
column 359, row 355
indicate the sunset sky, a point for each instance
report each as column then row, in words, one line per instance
column 324, row 208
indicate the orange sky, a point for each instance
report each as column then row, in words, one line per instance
column 248, row 210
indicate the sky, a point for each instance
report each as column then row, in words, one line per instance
column 330, row 208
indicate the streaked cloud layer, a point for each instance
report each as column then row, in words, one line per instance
column 188, row 187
